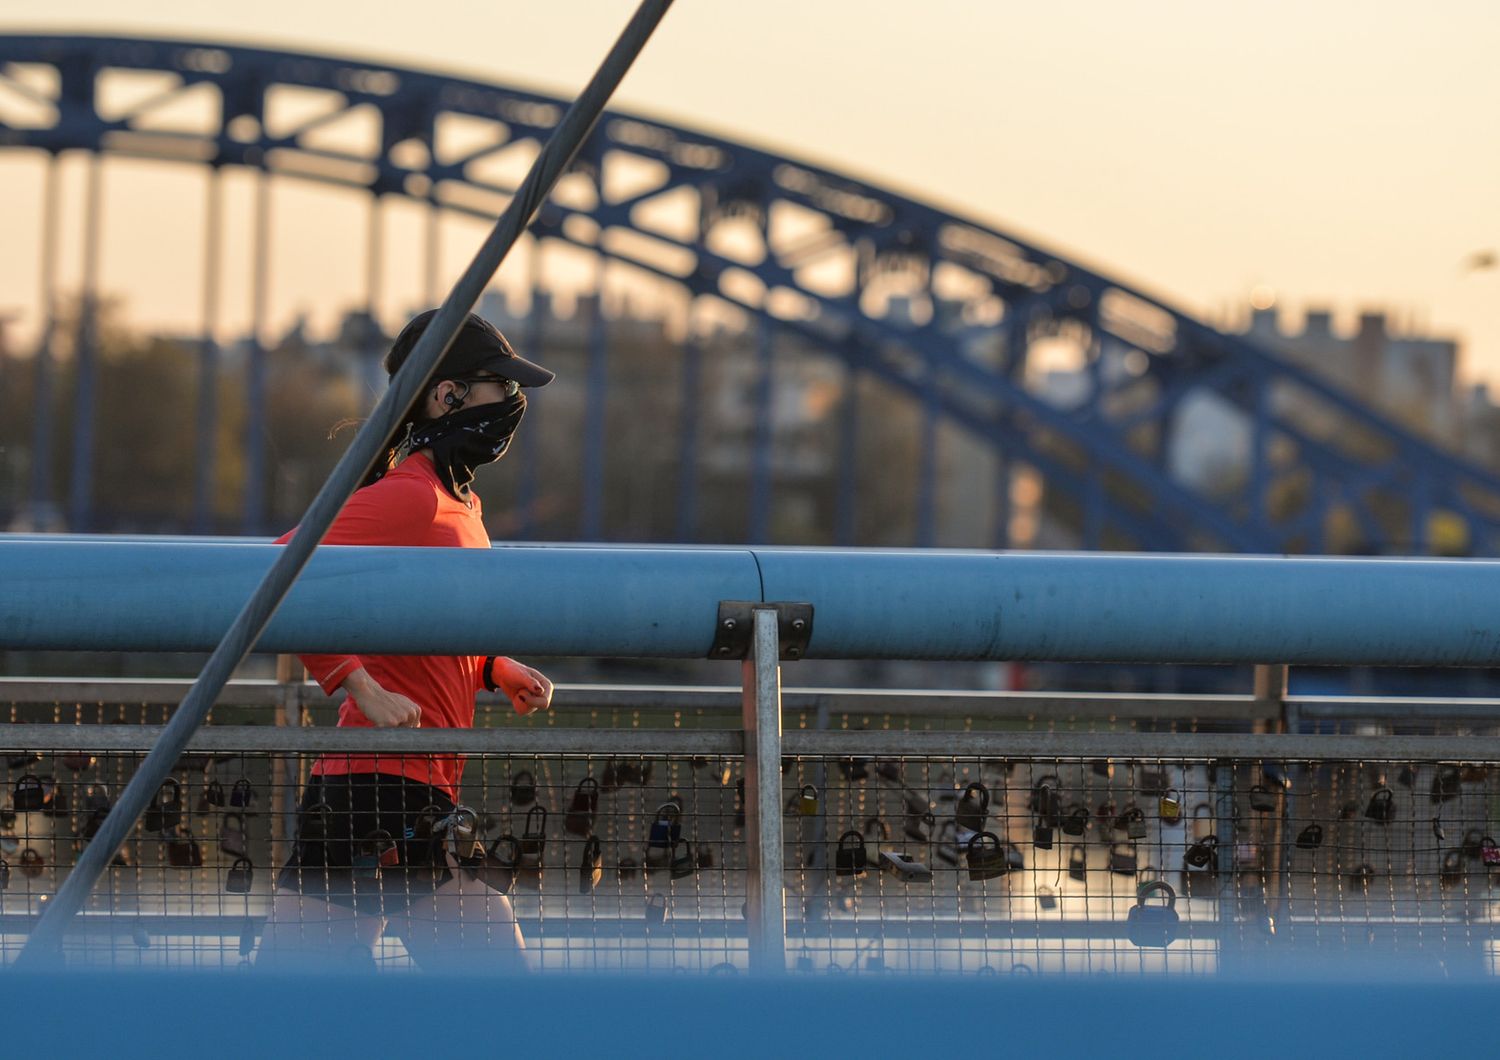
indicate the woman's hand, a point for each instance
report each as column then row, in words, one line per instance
column 528, row 689
column 386, row 710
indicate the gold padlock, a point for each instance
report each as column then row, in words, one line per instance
column 807, row 801
column 1170, row 806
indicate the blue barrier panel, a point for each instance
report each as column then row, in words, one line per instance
column 555, row 600
column 124, row 1016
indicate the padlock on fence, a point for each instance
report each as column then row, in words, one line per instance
column 164, row 814
column 665, row 830
column 523, row 788
column 457, row 832
column 1406, row 776
column 241, row 876
column 4, row 874
column 1262, row 799
column 1123, row 859
column 656, row 909
column 534, row 837
column 76, row 761
column 849, row 857
column 183, row 852
column 211, row 797
column 1075, row 820
column 1361, row 877
column 683, row 863
column 807, row 801
column 1132, row 821
column 972, row 808
column 1046, row 897
column 96, row 803
column 1203, row 820
column 581, row 811
column 985, row 855
column 1451, row 871
column 242, row 796
column 374, row 854
column 32, row 863
column 1470, row 844
column 1446, row 783
column 1203, row 854
column 627, row 772
column 1078, row 864
column 1105, row 814
column 904, row 867
column 1153, row 925
column 497, row 867
column 1310, row 838
column 1382, row 806
column 591, row 865
column 1489, row 851
column 1041, row 836
column 1154, row 782
column 232, row 838
column 1045, row 801
column 30, row 795
column 1169, row 807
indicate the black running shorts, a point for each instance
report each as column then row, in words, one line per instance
column 362, row 842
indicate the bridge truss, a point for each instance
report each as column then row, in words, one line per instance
column 948, row 311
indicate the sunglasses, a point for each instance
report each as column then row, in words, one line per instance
column 510, row 386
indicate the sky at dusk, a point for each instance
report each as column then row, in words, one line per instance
column 1341, row 154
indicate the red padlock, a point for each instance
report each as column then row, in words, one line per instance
column 1489, row 851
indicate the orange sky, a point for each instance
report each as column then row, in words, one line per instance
column 1341, row 153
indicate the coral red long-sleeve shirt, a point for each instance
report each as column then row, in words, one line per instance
column 408, row 507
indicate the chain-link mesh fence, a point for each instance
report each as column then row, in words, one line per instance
column 619, row 842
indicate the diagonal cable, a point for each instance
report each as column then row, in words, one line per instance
column 411, row 380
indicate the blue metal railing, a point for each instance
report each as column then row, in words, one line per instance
column 663, row 602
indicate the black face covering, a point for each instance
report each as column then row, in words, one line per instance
column 462, row 441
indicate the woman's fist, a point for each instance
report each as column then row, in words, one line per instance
column 386, row 710
column 527, row 689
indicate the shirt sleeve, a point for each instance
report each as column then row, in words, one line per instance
column 391, row 512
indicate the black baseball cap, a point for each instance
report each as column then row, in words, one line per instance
column 478, row 347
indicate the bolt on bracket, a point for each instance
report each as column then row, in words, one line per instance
column 733, row 628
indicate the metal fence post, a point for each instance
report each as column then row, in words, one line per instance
column 765, row 897
column 1270, row 691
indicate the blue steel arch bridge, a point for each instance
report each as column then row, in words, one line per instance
column 947, row 311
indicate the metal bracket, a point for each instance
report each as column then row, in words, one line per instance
column 732, row 631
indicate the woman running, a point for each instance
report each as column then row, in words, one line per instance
column 366, row 857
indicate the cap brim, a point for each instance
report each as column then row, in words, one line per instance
column 521, row 370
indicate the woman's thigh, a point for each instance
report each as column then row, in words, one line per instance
column 304, row 929
column 463, row 926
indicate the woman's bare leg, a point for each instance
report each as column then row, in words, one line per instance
column 303, row 930
column 464, row 926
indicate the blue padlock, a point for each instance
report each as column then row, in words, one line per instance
column 1153, row 925
column 665, row 831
